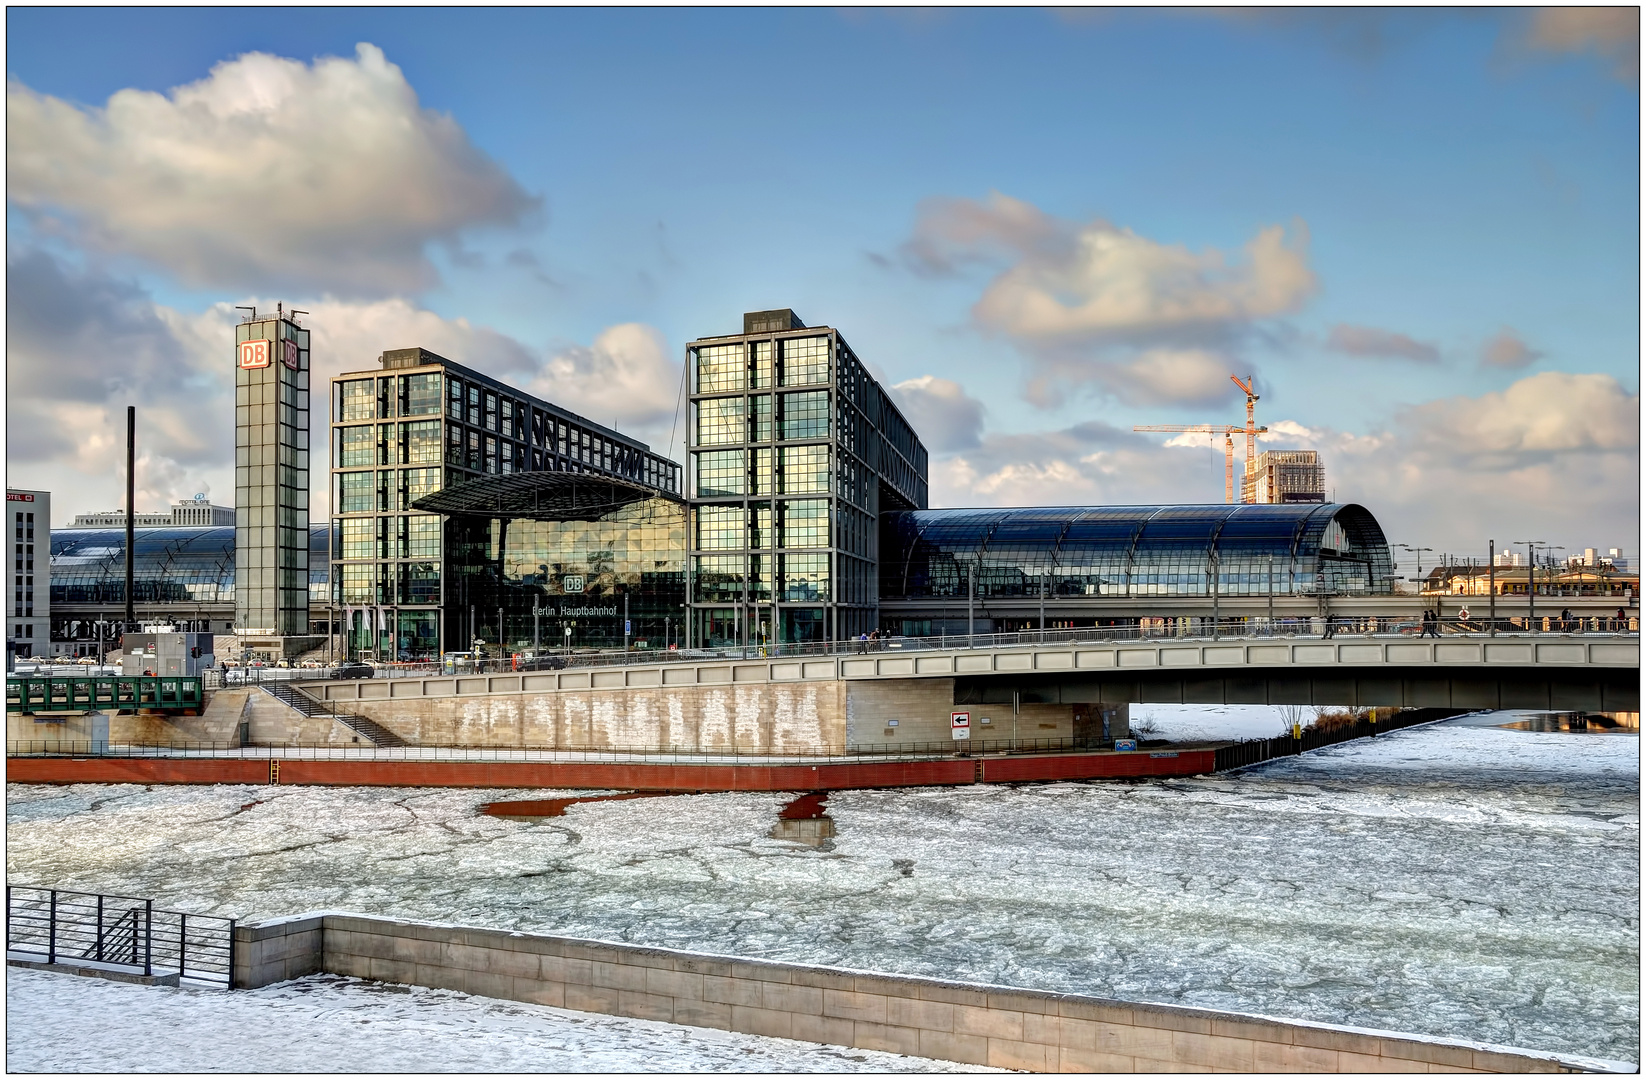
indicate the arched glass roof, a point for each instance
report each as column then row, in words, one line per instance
column 1134, row 551
column 176, row 565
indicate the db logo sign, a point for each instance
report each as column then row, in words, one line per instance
column 255, row 354
column 288, row 353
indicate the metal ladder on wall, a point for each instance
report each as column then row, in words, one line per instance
column 371, row 730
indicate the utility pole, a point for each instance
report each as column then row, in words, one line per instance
column 1531, row 582
column 1042, row 607
column 1491, row 588
column 1213, row 567
column 131, row 523
column 971, row 598
column 1271, row 592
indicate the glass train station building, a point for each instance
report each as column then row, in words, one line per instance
column 465, row 510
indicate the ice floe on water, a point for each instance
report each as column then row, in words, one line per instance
column 1456, row 880
column 327, row 1023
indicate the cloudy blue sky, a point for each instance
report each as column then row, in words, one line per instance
column 1418, row 229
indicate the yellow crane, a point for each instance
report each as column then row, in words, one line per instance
column 1248, row 485
column 1251, row 431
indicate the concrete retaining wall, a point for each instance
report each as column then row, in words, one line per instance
column 985, row 1025
column 752, row 719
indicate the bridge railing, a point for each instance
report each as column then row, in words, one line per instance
column 1174, row 628
column 110, row 693
column 915, row 750
column 59, row 926
column 1252, row 751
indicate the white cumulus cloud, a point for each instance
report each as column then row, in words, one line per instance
column 946, row 417
column 269, row 173
column 1097, row 305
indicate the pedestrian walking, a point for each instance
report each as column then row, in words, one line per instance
column 1431, row 625
column 1565, row 619
column 863, row 643
column 1331, row 627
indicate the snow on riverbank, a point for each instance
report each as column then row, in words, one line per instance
column 327, row 1023
column 1453, row 880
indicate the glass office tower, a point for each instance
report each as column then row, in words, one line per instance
column 431, row 461
column 271, row 476
column 795, row 453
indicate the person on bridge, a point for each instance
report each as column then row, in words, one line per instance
column 1431, row 624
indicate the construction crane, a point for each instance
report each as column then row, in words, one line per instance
column 1209, row 429
column 1247, row 485
column 1251, row 431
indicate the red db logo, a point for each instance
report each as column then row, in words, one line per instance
column 254, row 354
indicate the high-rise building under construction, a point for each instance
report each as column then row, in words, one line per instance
column 1285, row 476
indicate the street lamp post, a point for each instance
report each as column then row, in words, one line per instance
column 1531, row 581
column 1491, row 588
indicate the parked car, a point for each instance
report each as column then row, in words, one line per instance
column 542, row 663
column 353, row 670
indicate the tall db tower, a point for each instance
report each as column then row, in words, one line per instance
column 271, row 481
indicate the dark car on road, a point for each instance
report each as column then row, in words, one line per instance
column 353, row 670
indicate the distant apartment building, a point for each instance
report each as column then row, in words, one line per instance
column 116, row 519
column 1285, row 476
column 28, row 591
column 796, row 452
column 196, row 511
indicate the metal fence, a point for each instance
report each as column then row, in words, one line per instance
column 1184, row 628
column 906, row 751
column 1252, row 751
column 124, row 933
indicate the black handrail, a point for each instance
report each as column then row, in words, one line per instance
column 62, row 923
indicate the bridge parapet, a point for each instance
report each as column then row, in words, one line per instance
column 1574, row 653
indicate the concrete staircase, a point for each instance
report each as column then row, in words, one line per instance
column 371, row 730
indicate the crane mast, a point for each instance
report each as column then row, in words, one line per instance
column 1248, row 484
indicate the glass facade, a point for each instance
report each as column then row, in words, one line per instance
column 795, row 451
column 271, row 475
column 1134, row 551
column 525, row 583
column 182, row 574
column 423, row 425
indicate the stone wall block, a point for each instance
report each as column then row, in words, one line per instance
column 1280, row 1057
column 1073, row 1059
column 645, row 1006
column 754, row 1021
column 808, row 1000
column 568, row 970
column 1014, row 1054
column 1435, row 1054
column 894, row 1040
column 732, row 991
column 595, row 999
column 706, row 1014
column 852, row 1005
column 822, row 1029
column 915, row 1013
column 704, row 965
column 1216, row 1051
column 681, row 985
column 619, row 976
column 539, row 992
column 947, row 1046
column 990, row 1023
column 954, row 995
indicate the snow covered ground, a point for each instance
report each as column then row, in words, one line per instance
column 1457, row 880
column 327, row 1023
column 1185, row 723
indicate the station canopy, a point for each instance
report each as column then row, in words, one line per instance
column 541, row 496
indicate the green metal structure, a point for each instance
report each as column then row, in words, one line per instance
column 102, row 693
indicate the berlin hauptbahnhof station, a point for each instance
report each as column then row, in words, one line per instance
column 464, row 510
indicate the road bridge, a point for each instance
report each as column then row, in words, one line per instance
column 905, row 693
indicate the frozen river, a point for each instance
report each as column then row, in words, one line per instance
column 1457, row 879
